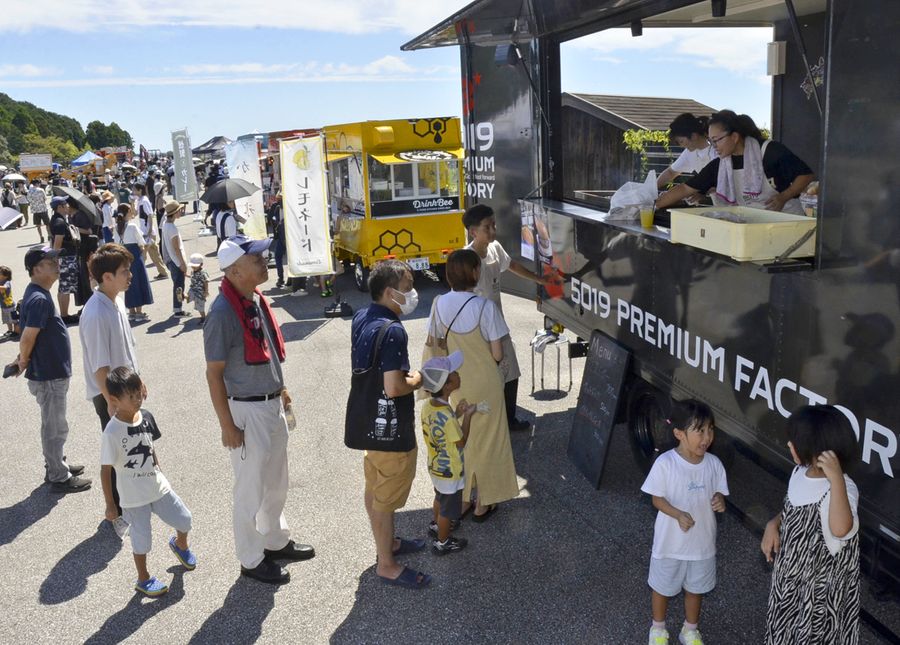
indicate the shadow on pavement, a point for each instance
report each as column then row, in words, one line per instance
column 161, row 326
column 138, row 611
column 68, row 578
column 240, row 619
column 18, row 517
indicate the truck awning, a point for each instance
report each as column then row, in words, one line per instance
column 497, row 22
column 408, row 156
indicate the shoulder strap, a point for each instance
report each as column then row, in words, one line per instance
column 378, row 341
column 459, row 312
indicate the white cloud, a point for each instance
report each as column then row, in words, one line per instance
column 741, row 51
column 387, row 68
column 343, row 16
column 26, row 70
column 103, row 70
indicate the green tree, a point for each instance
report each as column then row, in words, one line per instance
column 6, row 157
column 61, row 150
column 97, row 135
column 117, row 136
column 24, row 122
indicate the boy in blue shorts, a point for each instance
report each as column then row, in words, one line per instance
column 127, row 446
column 688, row 486
column 445, row 438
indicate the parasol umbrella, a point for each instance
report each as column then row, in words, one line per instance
column 128, row 166
column 85, row 205
column 8, row 216
column 228, row 190
column 14, row 177
column 3, row 168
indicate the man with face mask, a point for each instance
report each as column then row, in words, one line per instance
column 389, row 473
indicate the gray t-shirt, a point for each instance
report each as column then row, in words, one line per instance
column 223, row 340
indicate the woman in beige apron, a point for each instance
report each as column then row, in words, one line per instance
column 768, row 184
column 489, row 466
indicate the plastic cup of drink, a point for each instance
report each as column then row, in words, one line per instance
column 646, row 216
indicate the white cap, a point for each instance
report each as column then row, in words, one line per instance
column 436, row 370
column 196, row 260
column 231, row 250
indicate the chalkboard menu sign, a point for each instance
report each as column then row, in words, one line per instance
column 595, row 414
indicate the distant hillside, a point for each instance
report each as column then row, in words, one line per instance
column 27, row 128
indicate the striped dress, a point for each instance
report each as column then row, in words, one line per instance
column 814, row 597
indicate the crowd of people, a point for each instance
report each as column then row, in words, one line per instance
column 467, row 384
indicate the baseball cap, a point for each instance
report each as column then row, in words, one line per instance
column 58, row 201
column 37, row 253
column 231, row 250
column 436, row 370
column 196, row 260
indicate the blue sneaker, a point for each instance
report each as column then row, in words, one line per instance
column 187, row 559
column 151, row 587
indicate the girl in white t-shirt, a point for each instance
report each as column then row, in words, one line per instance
column 688, row 486
column 689, row 132
column 814, row 596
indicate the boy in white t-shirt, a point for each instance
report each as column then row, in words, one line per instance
column 687, row 484
column 127, row 446
column 482, row 230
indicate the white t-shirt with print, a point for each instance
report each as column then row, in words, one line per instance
column 804, row 490
column 129, row 449
column 690, row 488
column 692, row 161
column 493, row 327
column 494, row 263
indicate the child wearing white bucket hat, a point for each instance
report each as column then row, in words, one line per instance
column 198, row 292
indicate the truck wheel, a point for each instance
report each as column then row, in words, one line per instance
column 361, row 275
column 647, row 423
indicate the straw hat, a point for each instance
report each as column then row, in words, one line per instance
column 106, row 196
column 173, row 207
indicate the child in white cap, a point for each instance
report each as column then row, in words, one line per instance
column 198, row 292
column 445, row 437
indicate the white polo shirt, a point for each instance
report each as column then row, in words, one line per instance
column 106, row 339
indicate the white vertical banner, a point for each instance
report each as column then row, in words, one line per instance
column 305, row 199
column 185, row 179
column 242, row 158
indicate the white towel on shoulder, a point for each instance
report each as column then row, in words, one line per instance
column 754, row 176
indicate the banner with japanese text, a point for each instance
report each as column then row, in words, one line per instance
column 184, row 181
column 305, row 199
column 242, row 158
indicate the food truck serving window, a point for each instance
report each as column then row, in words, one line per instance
column 399, row 187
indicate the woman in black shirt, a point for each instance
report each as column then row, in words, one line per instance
column 750, row 171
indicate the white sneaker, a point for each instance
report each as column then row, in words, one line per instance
column 121, row 527
column 690, row 637
column 300, row 292
column 658, row 636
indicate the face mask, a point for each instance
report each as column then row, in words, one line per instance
column 412, row 301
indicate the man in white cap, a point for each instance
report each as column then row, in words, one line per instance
column 244, row 351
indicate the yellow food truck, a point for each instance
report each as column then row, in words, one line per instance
column 395, row 191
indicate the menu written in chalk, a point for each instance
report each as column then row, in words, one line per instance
column 595, row 414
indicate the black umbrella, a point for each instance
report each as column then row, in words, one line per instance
column 228, row 190
column 84, row 202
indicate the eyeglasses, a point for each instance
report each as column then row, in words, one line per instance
column 714, row 141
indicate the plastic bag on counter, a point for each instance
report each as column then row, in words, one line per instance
column 633, row 194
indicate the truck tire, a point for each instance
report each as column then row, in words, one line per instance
column 647, row 423
column 361, row 276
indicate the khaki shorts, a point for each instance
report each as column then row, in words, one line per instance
column 389, row 477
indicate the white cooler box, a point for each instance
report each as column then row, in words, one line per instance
column 758, row 235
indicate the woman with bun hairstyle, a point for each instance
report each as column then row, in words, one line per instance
column 689, row 132
column 750, row 170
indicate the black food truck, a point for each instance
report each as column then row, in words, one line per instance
column 755, row 339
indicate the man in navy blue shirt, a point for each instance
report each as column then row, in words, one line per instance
column 389, row 474
column 45, row 356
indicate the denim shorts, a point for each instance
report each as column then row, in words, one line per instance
column 668, row 577
column 169, row 508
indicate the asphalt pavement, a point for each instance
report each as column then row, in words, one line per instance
column 563, row 563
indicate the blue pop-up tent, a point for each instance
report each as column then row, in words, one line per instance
column 86, row 158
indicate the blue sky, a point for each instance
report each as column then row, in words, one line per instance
column 230, row 67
